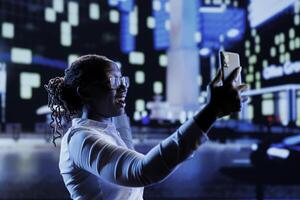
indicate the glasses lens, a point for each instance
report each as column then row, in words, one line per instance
column 115, row 82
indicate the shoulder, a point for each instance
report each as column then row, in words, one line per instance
column 80, row 134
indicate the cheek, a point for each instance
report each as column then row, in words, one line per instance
column 110, row 98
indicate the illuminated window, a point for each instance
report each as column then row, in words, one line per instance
column 139, row 105
column 297, row 7
column 113, row 2
column 273, row 51
column 167, row 6
column 139, row 77
column 282, row 59
column 199, row 80
column 257, row 49
column 298, row 111
column 50, row 15
column 158, row 87
column 282, row 48
column 235, row 3
column 257, row 75
column 72, row 58
column 94, row 11
column 251, row 69
column 253, row 32
column 28, row 81
column 227, row 2
column 277, row 39
column 133, row 21
column 287, row 56
column 257, row 39
column 21, row 55
column 267, row 107
column 249, row 78
column 292, row 33
column 3, row 78
column 207, row 1
column 283, row 110
column 247, row 52
column 247, row 44
column 268, row 96
column 297, row 42
column 265, row 63
column 150, row 22
column 156, row 4
column 253, row 59
column 114, row 16
column 257, row 84
column 296, row 19
column 58, row 5
column 137, row 58
column 137, row 116
column 163, row 60
column 73, row 13
column 8, row 30
column 65, row 34
column 198, row 37
column 292, row 45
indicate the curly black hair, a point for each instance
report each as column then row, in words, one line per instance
column 63, row 99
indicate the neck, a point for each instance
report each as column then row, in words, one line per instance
column 88, row 114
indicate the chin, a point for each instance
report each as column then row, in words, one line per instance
column 119, row 112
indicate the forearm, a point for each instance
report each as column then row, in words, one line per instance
column 205, row 118
column 129, row 168
column 166, row 156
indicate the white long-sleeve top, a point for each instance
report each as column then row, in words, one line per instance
column 97, row 160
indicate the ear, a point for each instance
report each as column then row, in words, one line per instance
column 83, row 93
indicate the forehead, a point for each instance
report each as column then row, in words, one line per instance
column 113, row 70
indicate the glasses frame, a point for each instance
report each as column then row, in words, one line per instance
column 115, row 82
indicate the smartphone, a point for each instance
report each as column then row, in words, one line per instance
column 229, row 61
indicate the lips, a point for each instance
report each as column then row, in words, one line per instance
column 120, row 100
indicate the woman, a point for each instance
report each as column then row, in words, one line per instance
column 97, row 160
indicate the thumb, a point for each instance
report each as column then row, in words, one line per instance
column 217, row 79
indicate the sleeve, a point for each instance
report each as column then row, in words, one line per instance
column 123, row 127
column 129, row 168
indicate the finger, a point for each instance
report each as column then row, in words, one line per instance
column 218, row 78
column 242, row 88
column 234, row 74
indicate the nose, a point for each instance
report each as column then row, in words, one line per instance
column 122, row 88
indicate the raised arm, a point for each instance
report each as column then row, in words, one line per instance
column 126, row 167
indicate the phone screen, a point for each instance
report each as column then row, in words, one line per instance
column 229, row 61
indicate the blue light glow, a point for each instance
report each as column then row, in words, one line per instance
column 216, row 23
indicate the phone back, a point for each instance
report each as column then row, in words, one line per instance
column 229, row 62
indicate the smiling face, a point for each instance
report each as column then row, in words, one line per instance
column 105, row 101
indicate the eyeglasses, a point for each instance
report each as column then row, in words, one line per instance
column 114, row 82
